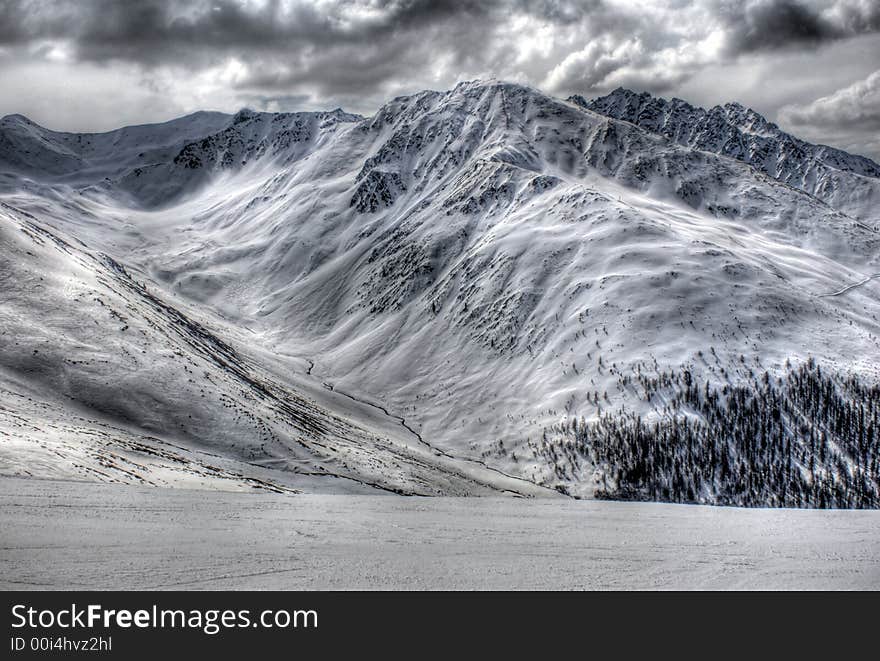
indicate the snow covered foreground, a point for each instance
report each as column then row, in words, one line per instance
column 69, row 535
column 437, row 299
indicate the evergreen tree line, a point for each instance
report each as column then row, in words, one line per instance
column 807, row 439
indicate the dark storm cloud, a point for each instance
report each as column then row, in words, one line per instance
column 762, row 25
column 151, row 30
column 347, row 44
column 350, row 45
column 157, row 30
column 154, row 30
column 770, row 25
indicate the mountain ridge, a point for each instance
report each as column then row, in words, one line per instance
column 729, row 130
column 490, row 264
column 745, row 135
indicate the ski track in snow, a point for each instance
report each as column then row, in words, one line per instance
column 852, row 286
column 434, row 449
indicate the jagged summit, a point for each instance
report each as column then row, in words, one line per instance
column 664, row 115
column 244, row 115
column 732, row 130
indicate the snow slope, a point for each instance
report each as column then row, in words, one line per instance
column 484, row 262
column 162, row 539
column 104, row 378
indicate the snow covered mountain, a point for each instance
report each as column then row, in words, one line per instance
column 157, row 164
column 844, row 181
column 492, row 278
column 105, row 378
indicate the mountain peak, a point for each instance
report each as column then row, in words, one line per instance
column 735, row 131
column 16, row 119
column 627, row 93
column 617, row 94
column 639, row 107
column 484, row 84
column 244, row 115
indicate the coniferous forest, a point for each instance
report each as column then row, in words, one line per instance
column 806, row 439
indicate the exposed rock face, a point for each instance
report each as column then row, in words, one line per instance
column 842, row 180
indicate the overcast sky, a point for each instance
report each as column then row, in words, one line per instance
column 811, row 66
